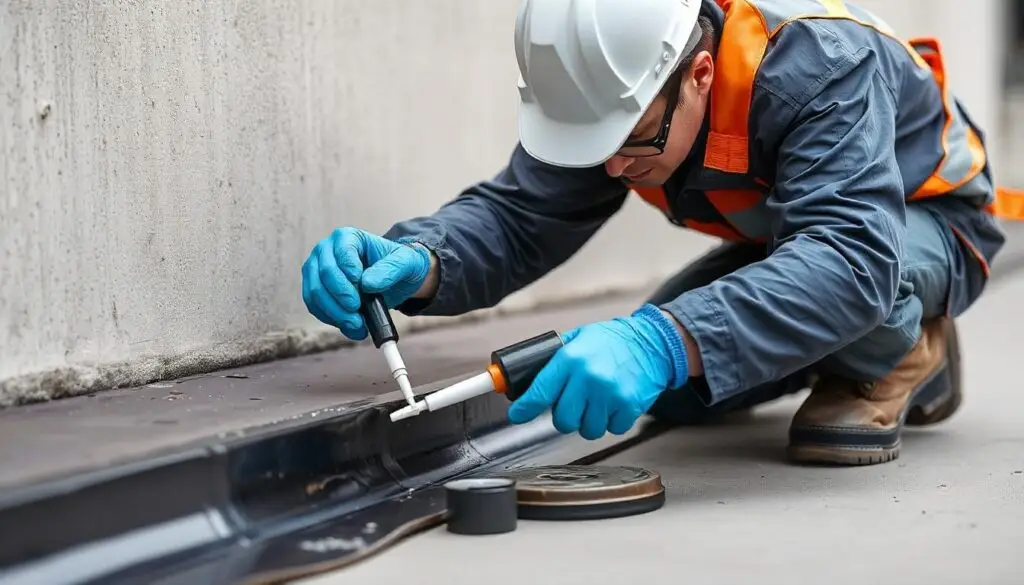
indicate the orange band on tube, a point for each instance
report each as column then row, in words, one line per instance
column 500, row 384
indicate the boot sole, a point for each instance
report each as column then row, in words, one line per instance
column 934, row 400
column 846, row 455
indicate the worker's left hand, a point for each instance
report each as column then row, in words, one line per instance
column 607, row 375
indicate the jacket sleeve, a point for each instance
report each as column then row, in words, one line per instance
column 838, row 214
column 502, row 234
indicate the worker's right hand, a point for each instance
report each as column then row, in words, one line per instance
column 351, row 260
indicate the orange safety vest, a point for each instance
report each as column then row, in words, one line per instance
column 749, row 26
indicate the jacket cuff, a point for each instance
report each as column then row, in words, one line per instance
column 449, row 271
column 706, row 320
column 674, row 345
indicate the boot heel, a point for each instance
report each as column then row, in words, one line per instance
column 938, row 408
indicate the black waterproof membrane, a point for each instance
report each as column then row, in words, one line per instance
column 273, row 503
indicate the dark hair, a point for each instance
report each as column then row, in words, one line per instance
column 706, row 43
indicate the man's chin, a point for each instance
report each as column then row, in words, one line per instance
column 648, row 181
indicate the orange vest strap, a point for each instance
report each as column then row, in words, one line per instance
column 1009, row 204
column 930, row 51
column 725, row 202
column 729, row 201
column 655, row 196
column 740, row 52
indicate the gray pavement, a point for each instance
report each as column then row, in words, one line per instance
column 949, row 510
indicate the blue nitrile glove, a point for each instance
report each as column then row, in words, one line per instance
column 351, row 260
column 607, row 375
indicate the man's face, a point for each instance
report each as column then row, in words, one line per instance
column 636, row 165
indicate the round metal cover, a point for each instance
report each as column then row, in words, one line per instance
column 565, row 492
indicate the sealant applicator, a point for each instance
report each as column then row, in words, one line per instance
column 511, row 371
column 385, row 336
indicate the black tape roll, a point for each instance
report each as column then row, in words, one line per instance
column 483, row 505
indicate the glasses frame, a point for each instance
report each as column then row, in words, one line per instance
column 659, row 140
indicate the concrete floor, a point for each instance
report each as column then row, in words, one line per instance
column 949, row 510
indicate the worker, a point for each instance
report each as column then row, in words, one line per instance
column 850, row 189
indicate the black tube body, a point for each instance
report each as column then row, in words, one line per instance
column 378, row 319
column 521, row 362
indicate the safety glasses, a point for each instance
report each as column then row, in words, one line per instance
column 645, row 147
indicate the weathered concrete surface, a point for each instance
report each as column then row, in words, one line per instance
column 44, row 440
column 165, row 167
column 950, row 510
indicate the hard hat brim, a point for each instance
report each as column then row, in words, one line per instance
column 572, row 145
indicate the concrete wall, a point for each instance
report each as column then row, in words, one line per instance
column 166, row 166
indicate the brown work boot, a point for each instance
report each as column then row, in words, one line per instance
column 858, row 423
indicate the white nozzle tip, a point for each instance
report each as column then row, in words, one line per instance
column 406, row 386
column 408, row 411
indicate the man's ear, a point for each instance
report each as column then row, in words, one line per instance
column 703, row 69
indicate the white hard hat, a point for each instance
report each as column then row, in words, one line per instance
column 590, row 68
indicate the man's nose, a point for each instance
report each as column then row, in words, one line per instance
column 617, row 165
